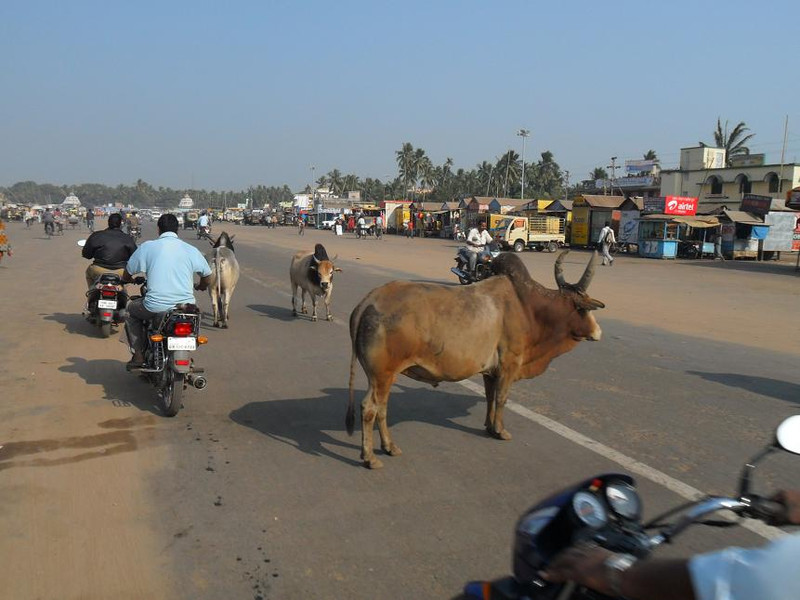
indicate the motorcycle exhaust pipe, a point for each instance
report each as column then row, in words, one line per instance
column 198, row 381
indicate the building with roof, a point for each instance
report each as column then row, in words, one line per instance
column 703, row 174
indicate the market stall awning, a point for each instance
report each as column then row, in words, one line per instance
column 745, row 218
column 698, row 223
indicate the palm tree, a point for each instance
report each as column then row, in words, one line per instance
column 405, row 165
column 483, row 175
column 511, row 169
column 734, row 143
column 598, row 173
column 336, row 181
column 548, row 176
column 650, row 155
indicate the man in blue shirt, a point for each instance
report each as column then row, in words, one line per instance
column 170, row 265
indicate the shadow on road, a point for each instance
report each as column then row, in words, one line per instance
column 282, row 313
column 782, row 390
column 75, row 323
column 772, row 267
column 303, row 422
column 120, row 387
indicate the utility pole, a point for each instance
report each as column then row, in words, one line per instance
column 566, row 185
column 523, row 133
column 613, row 167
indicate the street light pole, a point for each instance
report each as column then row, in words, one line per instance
column 523, row 133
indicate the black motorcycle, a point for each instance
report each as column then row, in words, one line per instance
column 106, row 302
column 172, row 336
column 606, row 510
column 483, row 266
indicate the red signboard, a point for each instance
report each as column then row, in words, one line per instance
column 684, row 206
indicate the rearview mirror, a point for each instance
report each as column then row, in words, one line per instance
column 788, row 435
column 81, row 243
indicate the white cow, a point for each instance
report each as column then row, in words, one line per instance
column 224, row 276
column 312, row 272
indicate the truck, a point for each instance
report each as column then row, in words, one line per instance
column 538, row 232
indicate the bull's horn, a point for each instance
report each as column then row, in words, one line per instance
column 315, row 259
column 560, row 270
column 586, row 278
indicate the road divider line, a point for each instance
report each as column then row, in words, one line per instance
column 628, row 463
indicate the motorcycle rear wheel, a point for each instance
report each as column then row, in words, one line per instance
column 171, row 394
column 105, row 330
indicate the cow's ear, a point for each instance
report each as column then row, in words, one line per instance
column 337, row 269
column 233, row 236
column 587, row 303
column 210, row 243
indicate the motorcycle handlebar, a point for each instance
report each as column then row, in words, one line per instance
column 753, row 507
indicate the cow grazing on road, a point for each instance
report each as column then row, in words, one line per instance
column 507, row 327
column 312, row 272
column 224, row 276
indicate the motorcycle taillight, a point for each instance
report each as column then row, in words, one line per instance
column 108, row 292
column 183, row 329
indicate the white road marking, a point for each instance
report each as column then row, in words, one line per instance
column 626, row 462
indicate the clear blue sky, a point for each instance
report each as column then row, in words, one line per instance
column 223, row 95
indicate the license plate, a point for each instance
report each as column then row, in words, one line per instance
column 181, row 343
column 106, row 304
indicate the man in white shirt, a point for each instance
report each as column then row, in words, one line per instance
column 477, row 240
column 605, row 239
column 361, row 224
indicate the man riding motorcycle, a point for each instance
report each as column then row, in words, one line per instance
column 133, row 222
column 109, row 249
column 170, row 265
column 204, row 224
column 477, row 240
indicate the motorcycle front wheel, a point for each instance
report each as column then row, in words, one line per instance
column 170, row 395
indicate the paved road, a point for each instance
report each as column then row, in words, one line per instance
column 255, row 489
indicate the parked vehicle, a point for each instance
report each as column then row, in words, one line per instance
column 171, row 338
column 606, row 510
column 483, row 267
column 106, row 303
column 537, row 233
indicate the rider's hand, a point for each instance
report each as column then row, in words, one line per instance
column 139, row 280
column 790, row 499
column 584, row 564
column 200, row 287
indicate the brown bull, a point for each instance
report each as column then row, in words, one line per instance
column 507, row 327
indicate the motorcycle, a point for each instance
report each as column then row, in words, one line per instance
column 106, row 302
column 606, row 510
column 171, row 338
column 204, row 232
column 483, row 266
column 135, row 232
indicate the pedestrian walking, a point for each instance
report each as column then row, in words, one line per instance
column 90, row 220
column 605, row 240
column 410, row 228
column 301, row 226
column 5, row 247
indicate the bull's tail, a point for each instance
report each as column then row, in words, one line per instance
column 355, row 318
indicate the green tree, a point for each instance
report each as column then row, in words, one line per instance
column 598, row 173
column 733, row 142
column 405, row 166
column 650, row 155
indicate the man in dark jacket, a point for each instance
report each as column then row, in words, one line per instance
column 109, row 249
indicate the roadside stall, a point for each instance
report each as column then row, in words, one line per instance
column 663, row 221
column 450, row 216
column 477, row 209
column 589, row 215
column 742, row 234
